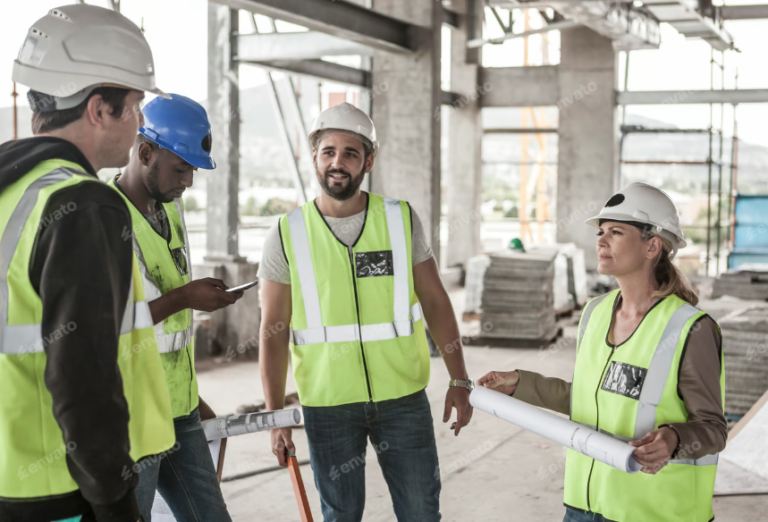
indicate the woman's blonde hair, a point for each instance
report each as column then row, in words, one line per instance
column 671, row 280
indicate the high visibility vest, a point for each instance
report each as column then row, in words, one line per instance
column 32, row 446
column 628, row 392
column 165, row 266
column 358, row 333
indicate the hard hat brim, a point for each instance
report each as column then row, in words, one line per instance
column 623, row 218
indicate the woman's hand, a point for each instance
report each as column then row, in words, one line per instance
column 504, row 382
column 655, row 449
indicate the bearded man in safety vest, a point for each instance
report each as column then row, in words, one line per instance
column 173, row 143
column 354, row 276
column 81, row 377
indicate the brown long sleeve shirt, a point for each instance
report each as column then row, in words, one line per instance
column 706, row 431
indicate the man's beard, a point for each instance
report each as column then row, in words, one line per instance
column 153, row 184
column 340, row 193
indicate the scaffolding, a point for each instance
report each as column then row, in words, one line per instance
column 712, row 162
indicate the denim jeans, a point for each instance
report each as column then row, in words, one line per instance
column 403, row 437
column 574, row 515
column 185, row 477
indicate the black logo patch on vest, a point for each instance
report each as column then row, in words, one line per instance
column 179, row 256
column 374, row 264
column 625, row 379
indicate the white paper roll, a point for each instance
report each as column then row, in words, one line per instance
column 233, row 425
column 589, row 442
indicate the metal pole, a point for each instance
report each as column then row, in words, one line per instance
column 720, row 167
column 283, row 129
column 709, row 161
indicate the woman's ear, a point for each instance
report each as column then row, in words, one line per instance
column 654, row 247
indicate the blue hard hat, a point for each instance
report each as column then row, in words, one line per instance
column 180, row 125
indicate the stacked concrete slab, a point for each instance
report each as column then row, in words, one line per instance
column 518, row 295
column 745, row 284
column 745, row 352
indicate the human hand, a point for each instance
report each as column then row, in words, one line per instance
column 206, row 412
column 655, row 449
column 282, row 439
column 457, row 397
column 208, row 295
column 504, row 382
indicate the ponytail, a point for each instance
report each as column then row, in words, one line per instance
column 670, row 279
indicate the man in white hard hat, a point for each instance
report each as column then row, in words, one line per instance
column 83, row 388
column 354, row 276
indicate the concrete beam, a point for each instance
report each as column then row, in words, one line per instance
column 342, row 19
column 295, row 46
column 733, row 96
column 319, row 69
column 743, row 12
column 520, row 86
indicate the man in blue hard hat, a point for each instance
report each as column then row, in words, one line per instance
column 173, row 143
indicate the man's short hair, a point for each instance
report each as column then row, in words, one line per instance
column 140, row 138
column 46, row 121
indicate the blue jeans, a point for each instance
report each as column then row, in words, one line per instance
column 403, row 437
column 185, row 477
column 574, row 515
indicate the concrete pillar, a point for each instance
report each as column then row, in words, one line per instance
column 464, row 186
column 224, row 114
column 230, row 331
column 588, row 135
column 406, row 110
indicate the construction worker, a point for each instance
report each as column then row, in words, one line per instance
column 354, row 276
column 649, row 370
column 80, row 373
column 173, row 143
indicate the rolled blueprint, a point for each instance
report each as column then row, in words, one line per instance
column 589, row 442
column 221, row 427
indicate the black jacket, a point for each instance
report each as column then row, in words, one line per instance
column 81, row 268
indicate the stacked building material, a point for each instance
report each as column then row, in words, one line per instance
column 745, row 353
column 744, row 284
column 518, row 297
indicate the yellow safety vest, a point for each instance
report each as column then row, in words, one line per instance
column 358, row 333
column 628, row 392
column 32, row 447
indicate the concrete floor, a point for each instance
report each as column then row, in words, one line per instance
column 493, row 471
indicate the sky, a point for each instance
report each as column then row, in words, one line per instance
column 177, row 33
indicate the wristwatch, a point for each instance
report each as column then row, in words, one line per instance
column 468, row 384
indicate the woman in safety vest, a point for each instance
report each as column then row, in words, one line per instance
column 648, row 371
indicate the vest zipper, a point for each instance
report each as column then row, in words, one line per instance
column 359, row 328
column 597, row 420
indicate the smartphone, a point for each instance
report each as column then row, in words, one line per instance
column 246, row 286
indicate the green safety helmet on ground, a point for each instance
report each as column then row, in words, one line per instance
column 516, row 244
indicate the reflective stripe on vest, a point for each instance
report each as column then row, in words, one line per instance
column 27, row 338
column 405, row 315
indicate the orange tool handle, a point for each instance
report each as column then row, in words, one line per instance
column 298, row 488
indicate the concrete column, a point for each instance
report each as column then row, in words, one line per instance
column 224, row 114
column 406, row 109
column 588, row 135
column 464, row 187
column 231, row 331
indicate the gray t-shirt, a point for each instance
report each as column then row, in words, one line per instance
column 275, row 267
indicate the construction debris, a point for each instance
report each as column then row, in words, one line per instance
column 749, row 283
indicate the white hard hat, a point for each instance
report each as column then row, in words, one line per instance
column 640, row 203
column 345, row 117
column 76, row 48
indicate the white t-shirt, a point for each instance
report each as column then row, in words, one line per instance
column 274, row 265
